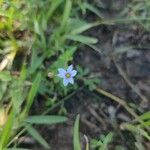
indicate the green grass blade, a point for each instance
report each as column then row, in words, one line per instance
column 94, row 10
column 5, row 76
column 83, row 28
column 23, row 73
column 147, row 123
column 76, row 138
column 33, row 91
column 55, row 4
column 145, row 116
column 16, row 149
column 82, row 39
column 62, row 59
column 17, row 91
column 106, row 141
column 6, row 132
column 67, row 12
column 35, row 134
column 36, row 61
column 136, row 130
column 45, row 119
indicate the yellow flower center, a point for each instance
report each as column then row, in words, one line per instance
column 68, row 75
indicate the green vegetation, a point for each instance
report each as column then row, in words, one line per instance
column 36, row 38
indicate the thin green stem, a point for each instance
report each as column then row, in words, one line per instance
column 16, row 137
column 62, row 101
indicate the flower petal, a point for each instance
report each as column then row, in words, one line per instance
column 62, row 73
column 70, row 68
column 71, row 80
column 73, row 73
column 65, row 82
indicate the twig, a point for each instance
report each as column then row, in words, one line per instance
column 125, row 77
column 62, row 101
column 89, row 124
column 123, row 103
column 94, row 113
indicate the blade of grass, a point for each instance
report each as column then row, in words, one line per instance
column 145, row 116
column 82, row 39
column 16, row 136
column 45, row 119
column 84, row 28
column 66, row 14
column 94, row 10
column 76, row 138
column 135, row 130
column 106, row 141
column 6, row 132
column 5, row 76
column 32, row 93
column 53, row 7
column 35, row 134
column 16, row 149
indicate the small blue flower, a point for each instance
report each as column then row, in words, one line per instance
column 67, row 75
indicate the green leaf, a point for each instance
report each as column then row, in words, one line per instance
column 3, row 89
column 103, row 142
column 54, row 5
column 79, row 26
column 16, row 94
column 36, row 61
column 6, row 132
column 37, row 28
column 95, row 143
column 94, row 10
column 145, row 116
column 16, row 149
column 106, row 141
column 45, row 119
column 97, row 49
column 120, row 147
column 63, row 59
column 147, row 123
column 76, row 138
column 33, row 92
column 82, row 39
column 33, row 132
column 136, row 129
column 92, row 83
column 123, row 49
column 23, row 73
column 67, row 12
column 5, row 76
column 83, row 28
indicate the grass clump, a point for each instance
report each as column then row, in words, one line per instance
column 34, row 42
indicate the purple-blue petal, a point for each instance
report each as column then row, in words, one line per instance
column 73, row 73
column 70, row 68
column 62, row 73
column 71, row 80
column 65, row 82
